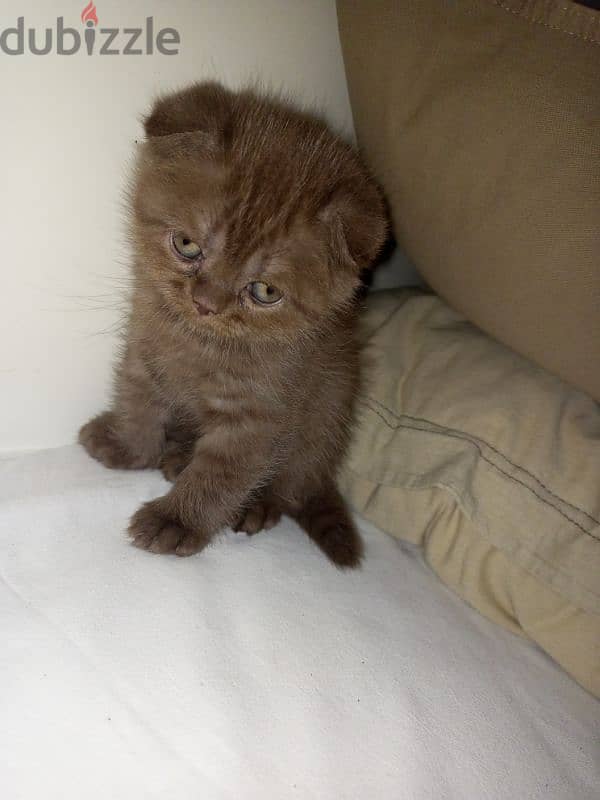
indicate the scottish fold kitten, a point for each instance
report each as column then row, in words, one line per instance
column 250, row 224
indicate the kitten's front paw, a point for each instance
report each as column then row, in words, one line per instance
column 257, row 517
column 102, row 443
column 151, row 528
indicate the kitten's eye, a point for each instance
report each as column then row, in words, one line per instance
column 264, row 293
column 185, row 246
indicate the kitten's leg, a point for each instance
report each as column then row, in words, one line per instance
column 132, row 434
column 176, row 457
column 227, row 466
column 324, row 516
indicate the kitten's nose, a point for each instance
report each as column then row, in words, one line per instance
column 204, row 307
column 207, row 298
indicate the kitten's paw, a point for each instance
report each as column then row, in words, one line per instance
column 257, row 517
column 174, row 460
column 98, row 437
column 152, row 529
column 328, row 523
column 342, row 544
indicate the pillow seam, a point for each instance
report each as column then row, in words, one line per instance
column 478, row 443
column 522, row 14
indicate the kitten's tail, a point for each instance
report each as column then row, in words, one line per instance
column 326, row 520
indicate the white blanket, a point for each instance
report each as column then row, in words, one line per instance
column 256, row 669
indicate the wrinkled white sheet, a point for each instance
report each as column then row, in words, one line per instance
column 255, row 670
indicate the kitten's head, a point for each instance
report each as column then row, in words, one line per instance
column 250, row 218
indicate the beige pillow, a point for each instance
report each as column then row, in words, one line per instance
column 482, row 121
column 492, row 465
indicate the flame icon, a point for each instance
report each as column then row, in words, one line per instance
column 89, row 14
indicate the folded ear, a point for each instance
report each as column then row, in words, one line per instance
column 202, row 107
column 356, row 217
column 193, row 147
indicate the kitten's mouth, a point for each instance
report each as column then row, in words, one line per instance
column 210, row 321
column 204, row 308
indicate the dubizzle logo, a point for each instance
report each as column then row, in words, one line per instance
column 89, row 17
column 98, row 41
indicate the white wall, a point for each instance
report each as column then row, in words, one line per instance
column 66, row 132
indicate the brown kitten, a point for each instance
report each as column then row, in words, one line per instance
column 251, row 222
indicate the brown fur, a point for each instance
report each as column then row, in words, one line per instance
column 248, row 410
